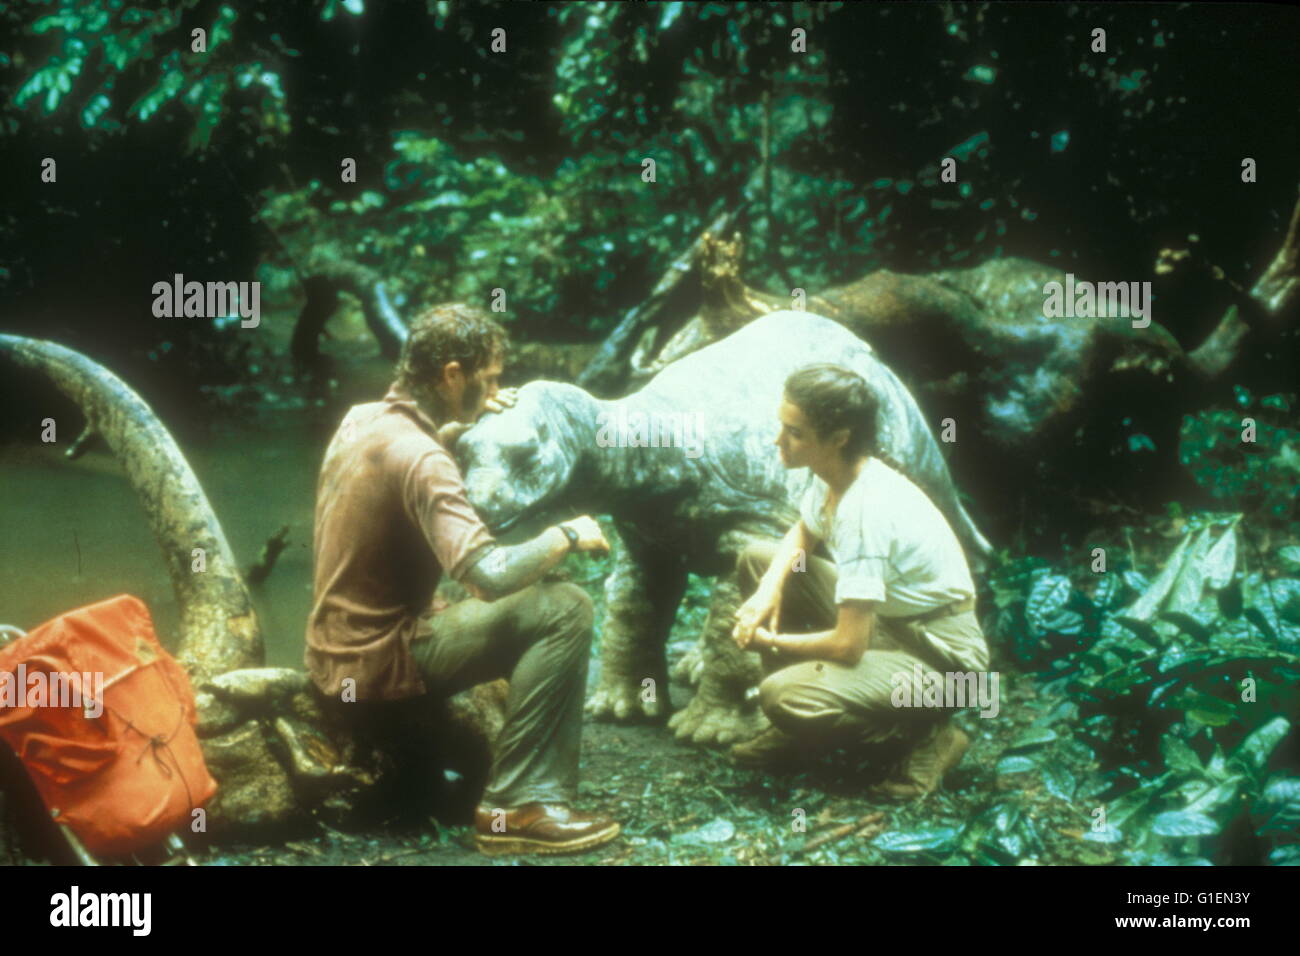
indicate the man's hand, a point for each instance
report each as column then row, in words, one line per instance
column 503, row 399
column 450, row 433
column 590, row 537
column 762, row 607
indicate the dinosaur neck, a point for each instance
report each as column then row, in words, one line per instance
column 593, row 484
column 611, row 474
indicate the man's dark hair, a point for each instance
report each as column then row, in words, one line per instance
column 453, row 332
column 832, row 397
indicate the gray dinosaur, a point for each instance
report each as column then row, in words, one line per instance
column 692, row 505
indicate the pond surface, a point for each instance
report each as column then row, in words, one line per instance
column 73, row 532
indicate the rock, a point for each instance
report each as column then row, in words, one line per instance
column 253, row 788
column 269, row 687
column 306, row 707
column 216, row 716
column 311, row 753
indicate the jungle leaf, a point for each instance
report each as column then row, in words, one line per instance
column 1285, row 855
column 1189, row 582
column 1184, row 823
column 1144, row 630
column 1059, row 781
column 1151, row 599
column 1179, row 756
column 1220, row 561
column 1281, row 801
column 1047, row 599
column 1016, row 765
column 935, row 839
column 1209, row 710
column 1032, row 738
column 1259, row 746
column 1214, row 797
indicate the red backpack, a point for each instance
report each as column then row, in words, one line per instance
column 131, row 773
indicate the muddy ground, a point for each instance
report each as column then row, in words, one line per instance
column 683, row 804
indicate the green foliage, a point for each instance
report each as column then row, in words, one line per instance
column 1262, row 476
column 835, row 150
column 123, row 42
column 1181, row 708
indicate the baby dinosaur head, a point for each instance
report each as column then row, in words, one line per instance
column 520, row 461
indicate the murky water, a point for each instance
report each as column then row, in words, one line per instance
column 73, row 533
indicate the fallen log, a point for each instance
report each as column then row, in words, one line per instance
column 605, row 371
column 322, row 286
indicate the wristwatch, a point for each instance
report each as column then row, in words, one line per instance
column 571, row 535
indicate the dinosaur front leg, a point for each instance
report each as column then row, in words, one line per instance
column 690, row 667
column 641, row 595
column 722, row 711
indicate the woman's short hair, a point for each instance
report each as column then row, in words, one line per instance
column 833, row 397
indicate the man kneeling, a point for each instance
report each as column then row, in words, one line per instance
column 896, row 604
column 391, row 519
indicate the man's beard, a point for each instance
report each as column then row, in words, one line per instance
column 469, row 400
column 437, row 408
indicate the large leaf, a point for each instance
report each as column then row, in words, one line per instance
column 1107, row 591
column 1187, row 624
column 1185, row 592
column 1183, row 823
column 1179, row 756
column 1059, row 781
column 1047, row 599
column 1221, row 560
column 1259, row 746
column 934, row 839
column 1152, row 598
column 1280, row 801
column 1031, row 739
column 1016, row 764
column 1142, row 629
column 1209, row 710
column 1211, row 798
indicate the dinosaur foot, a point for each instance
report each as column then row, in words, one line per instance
column 690, row 668
column 628, row 700
column 713, row 719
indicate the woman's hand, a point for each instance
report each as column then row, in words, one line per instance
column 762, row 608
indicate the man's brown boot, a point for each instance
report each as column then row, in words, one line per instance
column 772, row 749
column 544, row 828
column 923, row 769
